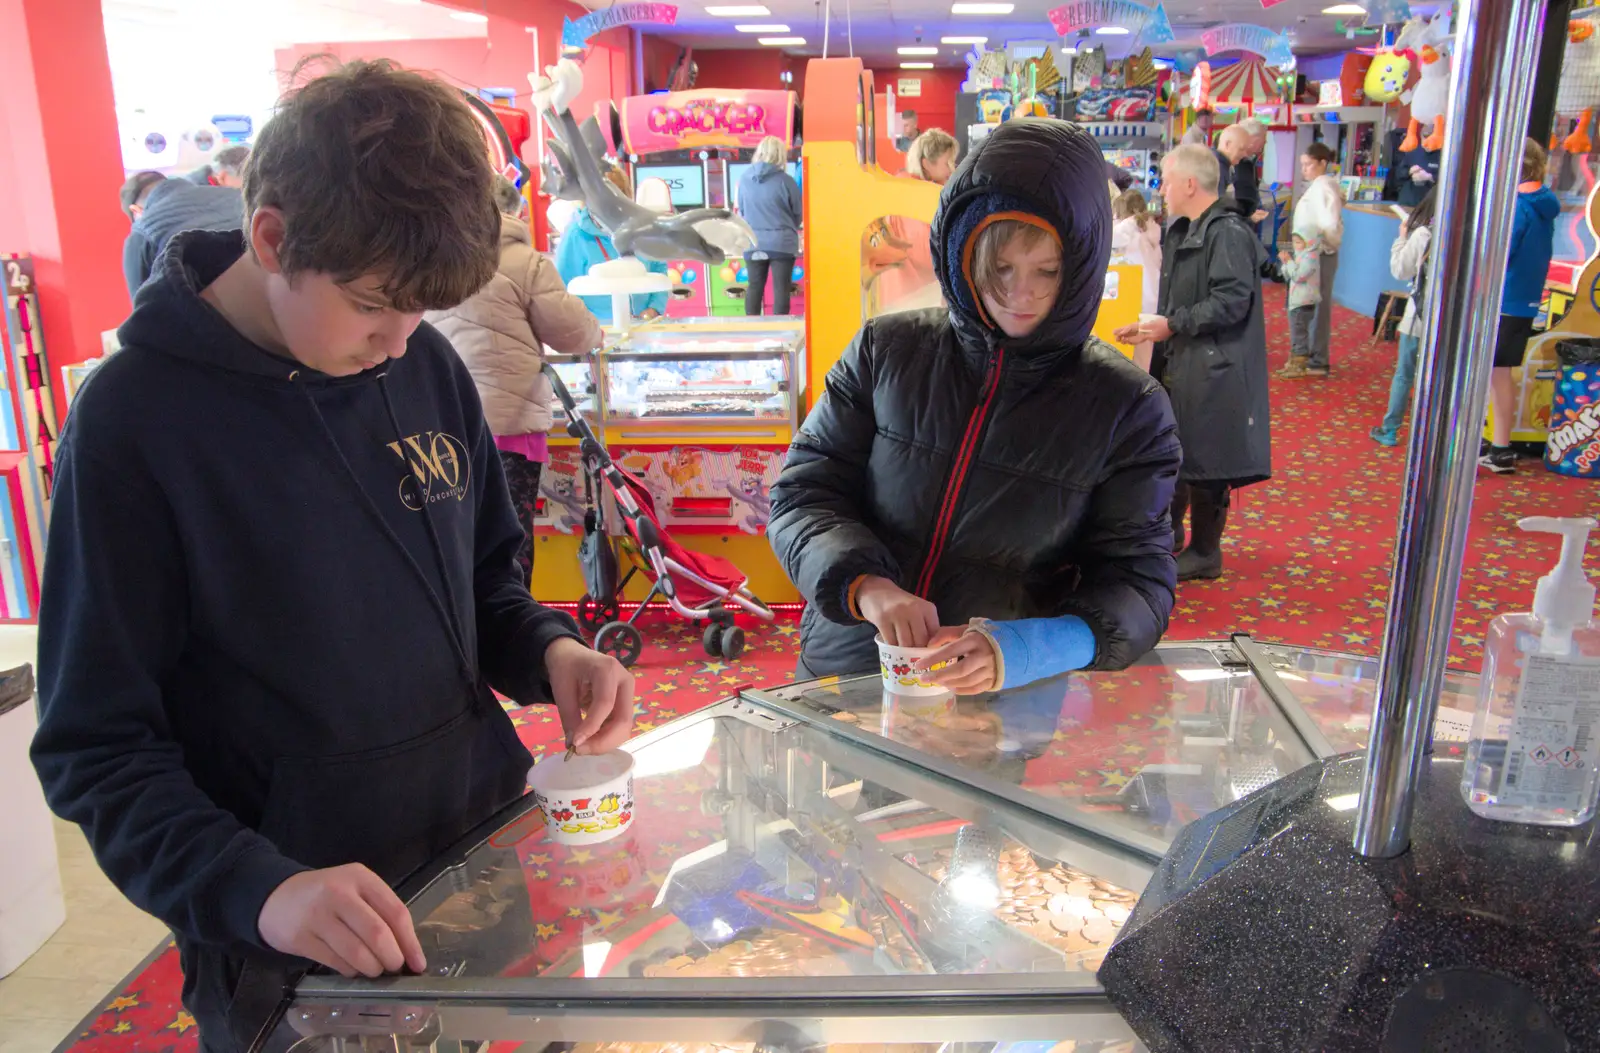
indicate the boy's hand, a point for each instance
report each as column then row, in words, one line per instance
column 971, row 656
column 345, row 918
column 903, row 620
column 593, row 693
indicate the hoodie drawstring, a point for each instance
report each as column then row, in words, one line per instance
column 446, row 612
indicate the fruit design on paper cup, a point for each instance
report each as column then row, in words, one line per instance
column 586, row 799
column 894, row 665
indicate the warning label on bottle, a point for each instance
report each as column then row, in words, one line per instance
column 1551, row 747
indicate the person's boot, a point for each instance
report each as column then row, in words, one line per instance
column 1202, row 560
column 1180, row 506
column 1296, row 369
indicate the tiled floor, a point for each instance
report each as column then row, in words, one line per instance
column 104, row 938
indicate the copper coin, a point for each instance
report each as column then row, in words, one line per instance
column 1100, row 931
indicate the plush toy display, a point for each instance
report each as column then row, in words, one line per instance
column 1386, row 77
column 1430, row 99
column 1578, row 95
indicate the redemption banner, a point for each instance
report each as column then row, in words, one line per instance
column 577, row 34
column 686, row 120
column 1150, row 25
column 1240, row 36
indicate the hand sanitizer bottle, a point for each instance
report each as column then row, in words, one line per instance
column 1533, row 757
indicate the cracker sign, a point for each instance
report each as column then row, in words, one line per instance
column 685, row 120
column 1149, row 24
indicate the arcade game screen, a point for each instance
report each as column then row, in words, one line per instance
column 686, row 182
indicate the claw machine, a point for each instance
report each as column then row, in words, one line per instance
column 701, row 410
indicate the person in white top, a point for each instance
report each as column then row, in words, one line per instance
column 1136, row 237
column 1408, row 261
column 1321, row 208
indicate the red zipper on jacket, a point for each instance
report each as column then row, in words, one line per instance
column 958, row 476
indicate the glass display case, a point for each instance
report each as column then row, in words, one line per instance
column 703, row 373
column 688, row 370
column 826, row 864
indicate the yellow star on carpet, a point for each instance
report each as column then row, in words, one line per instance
column 1113, row 779
column 604, row 919
column 714, row 667
column 546, row 932
column 182, row 1024
column 787, row 630
column 574, row 912
column 568, row 882
column 122, row 1028
column 539, row 858
column 122, row 1002
column 582, row 855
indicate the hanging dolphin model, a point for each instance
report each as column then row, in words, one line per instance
column 708, row 235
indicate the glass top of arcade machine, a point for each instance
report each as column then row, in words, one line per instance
column 828, row 857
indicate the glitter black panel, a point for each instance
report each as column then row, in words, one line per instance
column 1263, row 930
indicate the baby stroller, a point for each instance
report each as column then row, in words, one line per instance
column 696, row 585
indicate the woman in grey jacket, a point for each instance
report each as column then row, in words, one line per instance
column 500, row 334
column 769, row 200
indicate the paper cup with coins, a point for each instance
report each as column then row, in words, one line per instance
column 894, row 664
column 586, row 799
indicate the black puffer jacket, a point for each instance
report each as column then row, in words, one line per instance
column 997, row 478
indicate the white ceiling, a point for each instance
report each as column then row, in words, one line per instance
column 286, row 22
column 881, row 26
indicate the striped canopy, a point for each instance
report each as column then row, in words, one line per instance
column 1248, row 82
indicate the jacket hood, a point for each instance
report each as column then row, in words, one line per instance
column 1044, row 168
column 169, row 316
column 761, row 171
column 1544, row 203
column 514, row 231
column 584, row 222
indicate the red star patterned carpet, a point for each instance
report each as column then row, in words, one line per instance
column 1308, row 558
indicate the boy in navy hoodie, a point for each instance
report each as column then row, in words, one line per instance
column 282, row 576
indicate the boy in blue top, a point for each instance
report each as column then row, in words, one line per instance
column 583, row 244
column 1533, row 232
column 282, row 586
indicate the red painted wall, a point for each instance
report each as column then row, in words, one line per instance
column 744, row 68
column 60, row 169
column 936, row 106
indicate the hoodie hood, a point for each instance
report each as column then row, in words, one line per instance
column 1544, row 203
column 170, row 317
column 1048, row 169
column 761, row 171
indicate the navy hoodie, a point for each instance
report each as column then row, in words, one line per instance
column 274, row 605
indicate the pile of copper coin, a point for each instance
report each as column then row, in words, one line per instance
column 1061, row 907
column 768, row 954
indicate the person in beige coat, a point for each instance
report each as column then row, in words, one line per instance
column 500, row 334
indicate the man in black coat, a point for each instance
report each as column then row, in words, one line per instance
column 1214, row 356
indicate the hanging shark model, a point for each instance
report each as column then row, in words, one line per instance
column 708, row 235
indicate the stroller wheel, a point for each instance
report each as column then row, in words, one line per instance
column 592, row 613
column 621, row 641
column 732, row 642
column 711, row 640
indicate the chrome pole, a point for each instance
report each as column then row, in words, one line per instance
column 1496, row 44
